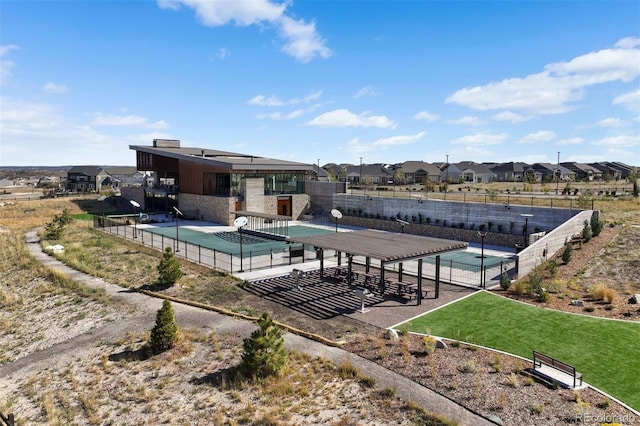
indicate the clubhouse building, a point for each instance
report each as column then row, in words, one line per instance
column 217, row 186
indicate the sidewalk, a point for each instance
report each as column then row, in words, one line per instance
column 194, row 317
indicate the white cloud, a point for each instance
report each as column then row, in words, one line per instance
column 263, row 100
column 55, row 88
column 481, row 139
column 223, row 53
column 427, row 116
column 611, row 122
column 619, row 141
column 558, row 86
column 345, row 118
column 302, row 41
column 399, row 140
column 110, row 120
column 354, row 145
column 468, row 121
column 510, row 116
column 628, row 43
column 540, row 136
column 273, row 101
column 570, row 141
column 631, row 100
column 281, row 116
column 365, row 91
column 5, row 65
column 38, row 134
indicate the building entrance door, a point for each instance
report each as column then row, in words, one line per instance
column 284, row 206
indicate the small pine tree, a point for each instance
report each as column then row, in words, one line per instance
column 566, row 254
column 264, row 352
column 165, row 333
column 635, row 192
column 596, row 224
column 169, row 268
column 505, row 281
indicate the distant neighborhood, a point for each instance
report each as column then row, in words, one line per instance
column 93, row 178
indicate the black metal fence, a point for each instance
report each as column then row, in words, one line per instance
column 451, row 271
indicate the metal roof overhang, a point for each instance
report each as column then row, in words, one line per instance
column 382, row 245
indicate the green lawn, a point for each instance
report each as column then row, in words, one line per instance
column 606, row 352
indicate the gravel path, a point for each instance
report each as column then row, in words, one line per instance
column 192, row 317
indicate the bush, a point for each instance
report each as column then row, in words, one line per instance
column 566, row 254
column 169, row 268
column 586, row 232
column 505, row 281
column 596, row 224
column 165, row 333
column 264, row 353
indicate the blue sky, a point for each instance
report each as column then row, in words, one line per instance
column 328, row 81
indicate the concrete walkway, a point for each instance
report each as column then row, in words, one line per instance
column 188, row 316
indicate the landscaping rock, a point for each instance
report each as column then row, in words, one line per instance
column 440, row 344
column 635, row 299
column 577, row 303
column 392, row 335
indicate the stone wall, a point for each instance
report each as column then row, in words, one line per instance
column 471, row 215
column 552, row 242
column 321, row 194
column 434, row 231
column 212, row 209
column 253, row 190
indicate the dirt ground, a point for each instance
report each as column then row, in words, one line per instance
column 99, row 390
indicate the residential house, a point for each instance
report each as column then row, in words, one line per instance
column 549, row 172
column 86, row 178
column 420, row 172
column 450, row 172
column 474, row 172
column 583, row 172
column 509, row 172
column 125, row 176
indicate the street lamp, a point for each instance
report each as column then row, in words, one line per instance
column 136, row 205
column 176, row 213
column 482, row 235
column 239, row 223
column 526, row 225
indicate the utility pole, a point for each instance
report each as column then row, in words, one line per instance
column 558, row 174
column 360, row 181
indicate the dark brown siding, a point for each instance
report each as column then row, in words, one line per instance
column 192, row 175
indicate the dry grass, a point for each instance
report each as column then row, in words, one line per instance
column 99, row 384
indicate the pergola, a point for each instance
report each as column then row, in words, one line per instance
column 386, row 247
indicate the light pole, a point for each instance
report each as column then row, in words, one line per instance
column 176, row 213
column 482, row 235
column 360, row 178
column 446, row 178
column 318, row 176
column 136, row 205
column 526, row 226
column 239, row 223
column 558, row 174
